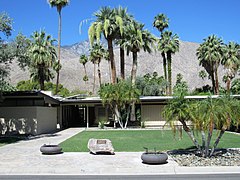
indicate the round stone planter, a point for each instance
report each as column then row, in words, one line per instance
column 50, row 149
column 154, row 158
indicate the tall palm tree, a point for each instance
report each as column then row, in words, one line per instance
column 83, row 60
column 231, row 61
column 161, row 23
column 93, row 60
column 59, row 4
column 210, row 54
column 106, row 57
column 137, row 39
column 171, row 46
column 97, row 52
column 126, row 19
column 108, row 24
column 43, row 55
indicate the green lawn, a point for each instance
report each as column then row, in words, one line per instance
column 135, row 140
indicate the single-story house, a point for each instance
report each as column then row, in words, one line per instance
column 36, row 112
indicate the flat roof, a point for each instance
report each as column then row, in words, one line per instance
column 93, row 100
column 30, row 94
column 80, row 99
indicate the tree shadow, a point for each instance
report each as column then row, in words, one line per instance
column 10, row 140
column 181, row 151
column 194, row 150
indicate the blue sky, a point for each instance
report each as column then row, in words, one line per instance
column 192, row 20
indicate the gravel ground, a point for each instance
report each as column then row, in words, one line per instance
column 223, row 157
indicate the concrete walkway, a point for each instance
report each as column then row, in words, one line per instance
column 25, row 158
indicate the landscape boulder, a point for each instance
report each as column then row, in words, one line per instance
column 100, row 146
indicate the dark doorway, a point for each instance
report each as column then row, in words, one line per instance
column 74, row 116
column 91, row 113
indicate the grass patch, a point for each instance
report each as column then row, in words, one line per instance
column 135, row 140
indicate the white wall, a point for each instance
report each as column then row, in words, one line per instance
column 27, row 120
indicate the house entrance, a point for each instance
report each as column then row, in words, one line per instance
column 78, row 116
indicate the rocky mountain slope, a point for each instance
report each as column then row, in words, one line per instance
column 71, row 75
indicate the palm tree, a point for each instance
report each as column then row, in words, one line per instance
column 59, row 4
column 161, row 48
column 106, row 57
column 161, row 23
column 179, row 109
column 83, row 60
column 43, row 55
column 126, row 19
column 97, row 52
column 171, row 46
column 213, row 114
column 109, row 24
column 118, row 96
column 210, row 55
column 137, row 39
column 204, row 116
column 93, row 60
column 231, row 61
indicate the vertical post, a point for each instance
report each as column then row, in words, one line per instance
column 87, row 118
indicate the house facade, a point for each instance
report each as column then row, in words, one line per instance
column 36, row 112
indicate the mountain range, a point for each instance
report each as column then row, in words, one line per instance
column 71, row 75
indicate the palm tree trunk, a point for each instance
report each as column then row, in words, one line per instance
column 111, row 56
column 164, row 68
column 224, row 128
column 94, row 77
column 203, row 140
column 85, row 72
column 133, row 80
column 213, row 82
column 190, row 134
column 99, row 74
column 134, row 68
column 169, row 64
column 217, row 141
column 122, row 62
column 228, row 85
column 216, row 79
column 164, row 65
column 209, row 139
column 117, row 116
column 213, row 78
column 128, row 112
column 109, row 69
column 59, row 46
